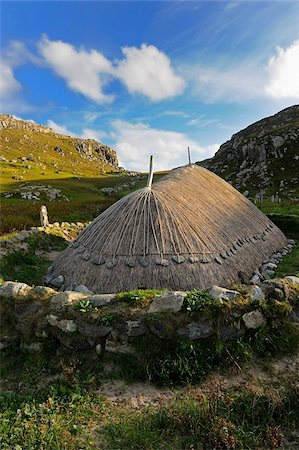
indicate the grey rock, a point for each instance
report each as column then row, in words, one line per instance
column 256, row 293
column 42, row 291
column 292, row 279
column 170, row 302
column 82, row 289
column 217, row 292
column 58, row 281
column 67, row 326
column 269, row 273
column 135, row 328
column 292, row 242
column 93, row 330
column 100, row 300
column 63, row 300
column 14, row 290
column 161, row 330
column 115, row 347
column 254, row 319
column 255, row 279
column 197, row 330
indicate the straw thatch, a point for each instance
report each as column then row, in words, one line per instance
column 190, row 230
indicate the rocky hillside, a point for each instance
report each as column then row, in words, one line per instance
column 262, row 158
column 32, row 151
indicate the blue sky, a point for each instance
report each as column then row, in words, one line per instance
column 149, row 77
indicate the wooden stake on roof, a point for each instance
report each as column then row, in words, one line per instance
column 151, row 173
column 189, row 156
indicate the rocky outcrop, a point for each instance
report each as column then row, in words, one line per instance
column 89, row 149
column 263, row 158
column 34, row 316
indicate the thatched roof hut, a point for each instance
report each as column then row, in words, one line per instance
column 189, row 230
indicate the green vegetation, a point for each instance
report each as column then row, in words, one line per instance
column 51, row 402
column 139, row 296
column 30, row 266
column 289, row 224
column 245, row 419
column 199, row 300
column 182, row 361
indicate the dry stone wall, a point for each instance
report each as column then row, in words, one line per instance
column 31, row 317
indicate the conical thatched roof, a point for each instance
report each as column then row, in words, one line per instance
column 188, row 231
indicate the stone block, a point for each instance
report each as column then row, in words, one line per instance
column 168, row 302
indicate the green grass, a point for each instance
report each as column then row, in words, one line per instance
column 49, row 402
column 26, row 266
column 86, row 201
column 241, row 420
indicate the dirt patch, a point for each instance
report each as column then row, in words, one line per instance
column 137, row 395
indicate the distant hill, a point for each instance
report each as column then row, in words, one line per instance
column 30, row 151
column 262, row 157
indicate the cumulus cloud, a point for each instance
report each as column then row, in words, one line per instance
column 283, row 69
column 148, row 71
column 61, row 129
column 214, row 84
column 8, row 84
column 84, row 71
column 136, row 142
column 98, row 135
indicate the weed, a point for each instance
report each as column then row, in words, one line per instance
column 138, row 296
column 84, row 306
column 106, row 318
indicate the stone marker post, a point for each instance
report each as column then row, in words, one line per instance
column 44, row 216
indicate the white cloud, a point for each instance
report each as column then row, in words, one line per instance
column 84, row 71
column 86, row 133
column 148, row 71
column 134, row 144
column 8, row 84
column 283, row 69
column 61, row 129
column 214, row 84
column 97, row 135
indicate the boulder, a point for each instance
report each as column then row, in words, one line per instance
column 63, row 300
column 292, row 280
column 256, row 293
column 58, row 281
column 253, row 319
column 67, row 326
column 100, row 300
column 82, row 289
column 217, row 292
column 168, row 302
column 197, row 330
column 255, row 279
column 93, row 330
column 14, row 290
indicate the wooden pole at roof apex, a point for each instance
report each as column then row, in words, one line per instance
column 189, row 156
column 151, row 172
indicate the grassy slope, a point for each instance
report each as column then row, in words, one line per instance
column 41, row 147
